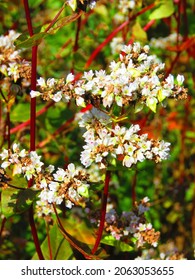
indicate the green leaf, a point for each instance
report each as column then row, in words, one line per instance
column 165, row 10
column 138, row 107
column 62, row 22
column 161, row 95
column 21, row 112
column 151, row 102
column 60, row 248
column 24, row 42
column 120, row 245
column 16, row 201
column 138, row 32
column 24, row 200
column 8, row 202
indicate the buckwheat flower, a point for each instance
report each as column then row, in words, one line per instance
column 126, row 49
column 50, row 169
column 34, row 93
column 163, row 149
column 43, row 183
column 4, row 154
column 142, row 57
column 88, row 75
column 170, row 81
column 180, row 79
column 12, row 70
column 73, row 194
column 145, row 199
column 70, row 78
column 80, row 101
column 69, row 204
column 53, row 186
column 128, row 161
column 57, row 96
column 72, row 170
column 141, row 227
column 136, row 47
column 41, row 82
column 28, row 171
column 51, row 82
column 59, row 175
column 5, row 164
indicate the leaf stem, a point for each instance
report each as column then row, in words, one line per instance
column 103, row 211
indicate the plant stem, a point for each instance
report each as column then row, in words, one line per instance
column 34, row 234
column 103, row 211
column 32, row 123
column 33, row 100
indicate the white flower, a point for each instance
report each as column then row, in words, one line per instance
column 59, row 175
column 128, row 161
column 80, row 101
column 170, row 81
column 5, row 164
column 68, row 204
column 51, row 82
column 126, row 49
column 57, row 97
column 4, row 154
column 53, row 186
column 88, row 75
column 41, row 82
column 70, row 77
column 79, row 91
column 50, row 168
column 72, row 170
column 180, row 79
column 34, row 93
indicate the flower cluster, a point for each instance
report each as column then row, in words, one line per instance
column 126, row 5
column 105, row 143
column 70, row 185
column 132, row 224
column 124, row 9
column 164, row 42
column 136, row 79
column 11, row 64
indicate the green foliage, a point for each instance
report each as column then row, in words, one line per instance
column 165, row 9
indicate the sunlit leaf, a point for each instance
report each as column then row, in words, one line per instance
column 60, row 248
column 122, row 246
column 165, row 10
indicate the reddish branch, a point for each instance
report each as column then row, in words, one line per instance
column 32, row 124
column 113, row 33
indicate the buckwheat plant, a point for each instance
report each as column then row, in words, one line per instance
column 133, row 83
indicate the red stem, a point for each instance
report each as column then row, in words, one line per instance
column 34, row 234
column 103, row 212
column 32, row 123
column 104, row 43
column 113, row 33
